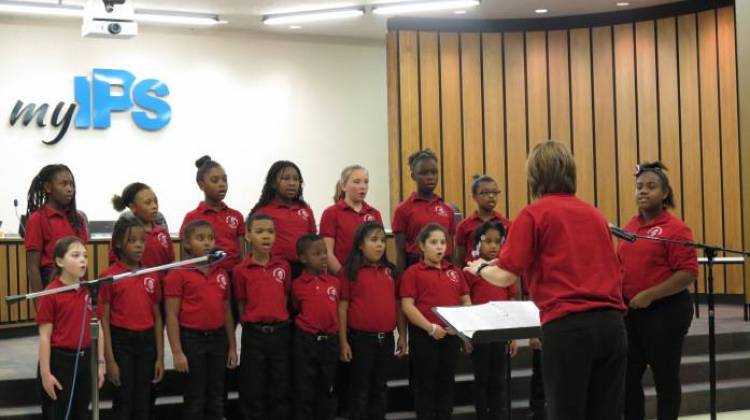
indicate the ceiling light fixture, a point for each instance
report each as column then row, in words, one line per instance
column 622, row 4
column 76, row 11
column 541, row 11
column 422, row 6
column 312, row 16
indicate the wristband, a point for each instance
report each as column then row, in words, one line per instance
column 432, row 331
column 482, row 267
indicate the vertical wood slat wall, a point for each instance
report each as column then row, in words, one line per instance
column 617, row 95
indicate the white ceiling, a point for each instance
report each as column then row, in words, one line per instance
column 247, row 14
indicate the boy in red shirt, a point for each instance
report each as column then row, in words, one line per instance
column 315, row 297
column 562, row 247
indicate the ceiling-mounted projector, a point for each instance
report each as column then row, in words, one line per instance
column 109, row 19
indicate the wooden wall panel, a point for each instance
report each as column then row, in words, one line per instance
column 710, row 135
column 536, row 87
column 583, row 134
column 450, row 85
column 729, row 142
column 648, row 109
column 471, row 81
column 429, row 94
column 616, row 94
column 627, row 130
column 395, row 155
column 494, row 113
column 604, row 123
column 4, row 285
column 669, row 106
column 559, row 86
column 692, row 184
column 515, row 111
column 409, row 103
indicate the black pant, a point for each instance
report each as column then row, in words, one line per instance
column 537, row 404
column 265, row 371
column 315, row 358
column 61, row 365
column 206, row 352
column 490, row 366
column 434, row 366
column 135, row 354
column 655, row 337
column 584, row 361
column 371, row 355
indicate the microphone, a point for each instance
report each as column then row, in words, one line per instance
column 216, row 254
column 624, row 235
column 21, row 227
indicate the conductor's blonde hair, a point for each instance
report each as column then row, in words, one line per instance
column 551, row 169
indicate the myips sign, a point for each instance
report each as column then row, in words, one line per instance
column 96, row 102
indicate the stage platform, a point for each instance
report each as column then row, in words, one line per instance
column 19, row 390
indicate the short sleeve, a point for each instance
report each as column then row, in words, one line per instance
column 33, row 236
column 45, row 311
column 399, row 223
column 345, row 285
column 105, row 293
column 156, row 296
column 408, row 286
column 311, row 226
column 173, row 284
column 328, row 222
column 239, row 277
column 680, row 257
column 461, row 234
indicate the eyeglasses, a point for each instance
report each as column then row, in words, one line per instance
column 489, row 193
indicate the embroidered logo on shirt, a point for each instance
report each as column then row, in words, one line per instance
column 655, row 232
column 150, row 285
column 303, row 213
column 440, row 210
column 222, row 281
column 452, row 275
column 163, row 239
column 232, row 222
column 279, row 274
column 368, row 218
column 389, row 273
column 332, row 292
column 89, row 306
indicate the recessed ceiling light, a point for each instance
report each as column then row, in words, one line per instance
column 541, row 11
column 622, row 4
column 460, row 12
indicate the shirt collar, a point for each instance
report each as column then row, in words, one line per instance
column 343, row 205
column 203, row 207
column 416, row 197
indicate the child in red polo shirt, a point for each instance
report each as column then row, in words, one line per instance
column 281, row 199
column 368, row 315
column 261, row 284
column 562, row 247
column 64, row 337
column 485, row 191
column 489, row 358
column 339, row 221
column 142, row 202
column 315, row 296
column 433, row 351
column 132, row 324
column 200, row 326
column 51, row 214
column 656, row 277
column 227, row 223
column 421, row 208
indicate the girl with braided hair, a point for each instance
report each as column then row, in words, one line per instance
column 51, row 214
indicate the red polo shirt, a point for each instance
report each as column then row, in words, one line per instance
column 340, row 221
column 372, row 299
column 229, row 226
column 202, row 296
column 64, row 311
column 562, row 248
column 416, row 212
column 466, row 229
column 291, row 221
column 647, row 263
column 483, row 291
column 264, row 290
column 316, row 298
column 131, row 300
column 45, row 227
column 431, row 287
column 158, row 250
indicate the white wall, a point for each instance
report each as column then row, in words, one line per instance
column 247, row 99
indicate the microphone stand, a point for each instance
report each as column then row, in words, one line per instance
column 710, row 253
column 93, row 288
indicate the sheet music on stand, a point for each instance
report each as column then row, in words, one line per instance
column 493, row 321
